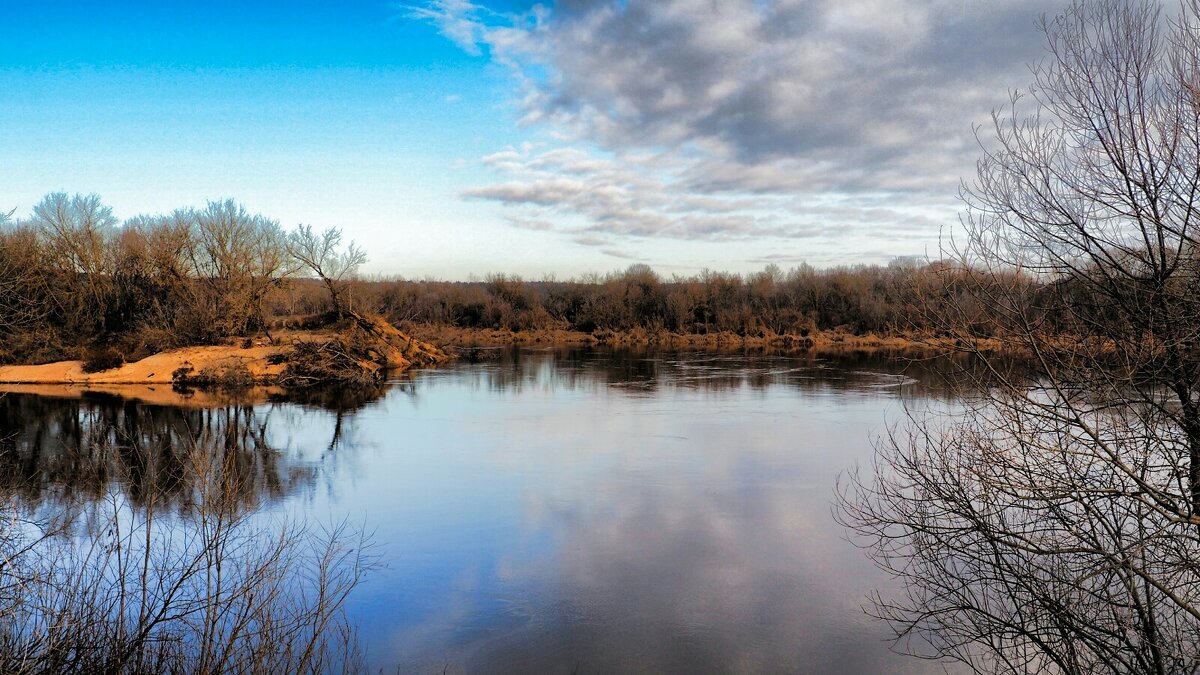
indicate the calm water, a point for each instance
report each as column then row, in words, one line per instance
column 557, row 511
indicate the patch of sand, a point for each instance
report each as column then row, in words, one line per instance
column 156, row 369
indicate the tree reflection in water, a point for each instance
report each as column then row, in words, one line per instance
column 132, row 542
column 129, row 507
column 644, row 372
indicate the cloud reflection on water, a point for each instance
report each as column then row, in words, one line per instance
column 551, row 510
column 680, row 525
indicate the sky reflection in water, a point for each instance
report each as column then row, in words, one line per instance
column 603, row 513
column 571, row 511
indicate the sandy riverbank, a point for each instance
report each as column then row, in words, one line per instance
column 358, row 350
column 157, row 369
column 263, row 363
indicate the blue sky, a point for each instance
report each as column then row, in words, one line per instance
column 452, row 137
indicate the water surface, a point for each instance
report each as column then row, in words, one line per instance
column 554, row 511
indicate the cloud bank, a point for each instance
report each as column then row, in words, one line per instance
column 731, row 119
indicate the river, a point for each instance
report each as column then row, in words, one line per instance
column 568, row 511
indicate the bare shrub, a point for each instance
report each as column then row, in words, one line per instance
column 102, row 358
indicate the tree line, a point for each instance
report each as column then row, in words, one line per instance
column 74, row 280
column 76, row 283
column 882, row 299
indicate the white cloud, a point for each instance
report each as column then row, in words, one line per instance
column 458, row 20
column 697, row 119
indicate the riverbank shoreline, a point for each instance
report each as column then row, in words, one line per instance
column 258, row 360
column 357, row 350
column 452, row 338
column 263, row 361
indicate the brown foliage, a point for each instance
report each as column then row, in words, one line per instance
column 858, row 300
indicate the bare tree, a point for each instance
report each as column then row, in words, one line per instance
column 236, row 258
column 1053, row 523
column 77, row 230
column 323, row 254
column 23, row 286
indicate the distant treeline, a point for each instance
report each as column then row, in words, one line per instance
column 74, row 282
column 900, row 297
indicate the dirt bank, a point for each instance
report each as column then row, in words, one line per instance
column 357, row 349
column 821, row 342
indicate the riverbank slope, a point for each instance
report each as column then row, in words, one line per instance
column 357, row 348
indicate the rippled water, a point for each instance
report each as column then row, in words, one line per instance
column 555, row 511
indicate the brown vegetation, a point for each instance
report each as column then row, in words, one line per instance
column 853, row 305
column 180, row 298
column 78, row 287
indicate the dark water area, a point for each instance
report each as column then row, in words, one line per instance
column 574, row 511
